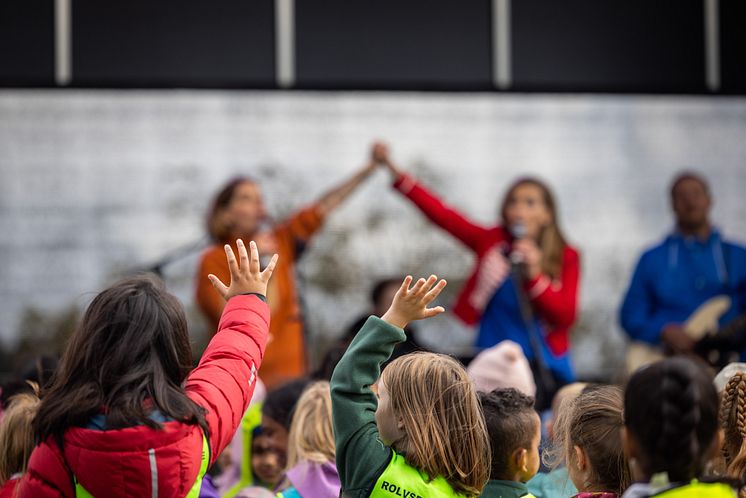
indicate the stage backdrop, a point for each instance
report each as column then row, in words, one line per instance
column 95, row 184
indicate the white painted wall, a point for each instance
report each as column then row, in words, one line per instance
column 96, row 182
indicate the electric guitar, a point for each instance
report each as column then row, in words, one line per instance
column 701, row 326
column 724, row 346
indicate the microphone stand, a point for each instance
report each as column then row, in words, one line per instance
column 547, row 385
column 171, row 257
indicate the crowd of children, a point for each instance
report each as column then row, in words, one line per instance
column 126, row 415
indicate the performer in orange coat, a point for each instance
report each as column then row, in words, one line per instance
column 238, row 212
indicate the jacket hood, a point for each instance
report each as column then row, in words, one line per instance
column 135, row 461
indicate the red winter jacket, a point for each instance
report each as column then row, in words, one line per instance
column 8, row 489
column 144, row 462
column 554, row 301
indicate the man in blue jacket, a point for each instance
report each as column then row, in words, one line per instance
column 692, row 265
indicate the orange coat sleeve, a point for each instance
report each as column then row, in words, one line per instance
column 303, row 224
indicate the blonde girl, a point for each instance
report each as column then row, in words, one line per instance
column 422, row 433
column 16, row 441
column 312, row 472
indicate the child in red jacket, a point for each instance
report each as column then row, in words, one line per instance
column 124, row 416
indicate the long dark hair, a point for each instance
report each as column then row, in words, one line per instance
column 129, row 356
column 671, row 409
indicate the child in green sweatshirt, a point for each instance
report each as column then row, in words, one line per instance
column 422, row 434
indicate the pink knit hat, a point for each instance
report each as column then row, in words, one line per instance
column 501, row 366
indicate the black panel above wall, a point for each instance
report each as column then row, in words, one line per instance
column 733, row 46
column 216, row 43
column 26, row 42
column 614, row 45
column 391, row 44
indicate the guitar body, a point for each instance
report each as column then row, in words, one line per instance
column 703, row 321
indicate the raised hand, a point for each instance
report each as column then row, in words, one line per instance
column 380, row 154
column 246, row 278
column 411, row 304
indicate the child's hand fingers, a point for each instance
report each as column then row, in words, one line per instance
column 254, row 262
column 219, row 286
column 418, row 286
column 420, row 290
column 429, row 283
column 435, row 291
column 232, row 265
column 431, row 312
column 404, row 288
column 243, row 257
column 270, row 268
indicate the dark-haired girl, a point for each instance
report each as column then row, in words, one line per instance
column 124, row 416
column 671, row 422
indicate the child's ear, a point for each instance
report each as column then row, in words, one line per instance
column 580, row 459
column 400, row 423
column 630, row 451
column 520, row 458
column 717, row 444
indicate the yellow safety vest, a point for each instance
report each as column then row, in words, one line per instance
column 401, row 480
column 698, row 489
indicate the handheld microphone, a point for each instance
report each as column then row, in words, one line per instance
column 518, row 231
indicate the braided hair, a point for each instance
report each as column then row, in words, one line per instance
column 671, row 410
column 733, row 422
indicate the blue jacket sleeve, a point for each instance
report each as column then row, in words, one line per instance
column 638, row 316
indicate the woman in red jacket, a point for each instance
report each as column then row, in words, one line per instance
column 124, row 417
column 490, row 299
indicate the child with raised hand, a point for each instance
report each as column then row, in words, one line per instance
column 671, row 423
column 124, row 416
column 588, row 439
column 422, row 434
column 514, row 430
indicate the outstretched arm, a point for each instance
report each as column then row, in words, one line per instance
column 361, row 456
column 334, row 197
column 440, row 213
column 223, row 382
